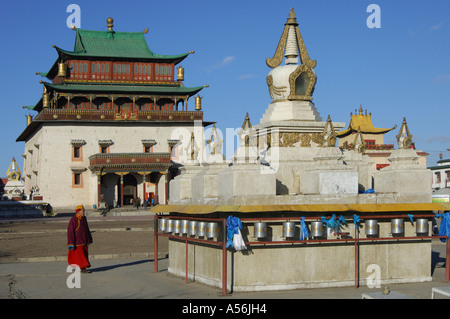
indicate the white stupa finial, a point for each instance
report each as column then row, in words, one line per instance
column 291, row 52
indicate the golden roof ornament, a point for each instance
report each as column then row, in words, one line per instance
column 110, row 24
column 198, row 102
column 180, row 75
column 29, row 119
column 62, row 69
column 45, row 98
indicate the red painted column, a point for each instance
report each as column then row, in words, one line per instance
column 144, row 181
column 167, row 186
column 121, row 190
column 99, row 181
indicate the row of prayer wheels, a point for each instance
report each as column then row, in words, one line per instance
column 186, row 227
column 318, row 228
column 397, row 227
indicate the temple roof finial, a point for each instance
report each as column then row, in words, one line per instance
column 110, row 24
column 292, row 13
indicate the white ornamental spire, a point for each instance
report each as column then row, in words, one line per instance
column 291, row 52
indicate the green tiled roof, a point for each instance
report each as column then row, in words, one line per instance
column 116, row 88
column 110, row 44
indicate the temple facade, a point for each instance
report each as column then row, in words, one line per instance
column 112, row 125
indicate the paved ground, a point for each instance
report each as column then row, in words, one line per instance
column 45, row 238
column 129, row 274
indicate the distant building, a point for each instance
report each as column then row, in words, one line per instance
column 441, row 174
column 112, row 123
column 373, row 138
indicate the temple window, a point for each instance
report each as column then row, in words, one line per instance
column 148, row 145
column 104, row 146
column 77, row 150
column 104, row 149
column 77, row 179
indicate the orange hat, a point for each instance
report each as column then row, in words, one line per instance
column 79, row 207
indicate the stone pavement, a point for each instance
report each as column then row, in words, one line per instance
column 128, row 276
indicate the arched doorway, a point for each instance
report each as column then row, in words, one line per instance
column 129, row 189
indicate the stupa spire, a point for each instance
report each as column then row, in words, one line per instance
column 292, row 45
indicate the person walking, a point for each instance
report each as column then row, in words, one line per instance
column 138, row 202
column 78, row 238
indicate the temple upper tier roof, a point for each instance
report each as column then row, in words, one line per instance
column 112, row 44
column 364, row 123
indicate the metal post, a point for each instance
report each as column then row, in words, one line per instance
column 447, row 260
column 224, row 258
column 356, row 256
column 186, row 261
column 155, row 242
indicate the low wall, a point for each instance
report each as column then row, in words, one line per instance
column 330, row 263
column 10, row 209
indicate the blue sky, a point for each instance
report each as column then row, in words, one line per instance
column 399, row 70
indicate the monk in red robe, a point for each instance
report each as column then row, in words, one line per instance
column 78, row 238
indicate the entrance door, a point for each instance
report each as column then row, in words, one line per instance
column 129, row 189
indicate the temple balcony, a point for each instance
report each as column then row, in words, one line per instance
column 114, row 115
column 129, row 162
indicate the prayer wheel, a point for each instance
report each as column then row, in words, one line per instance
column 397, row 226
column 162, row 224
column 169, row 226
column 177, row 226
column 260, row 230
column 371, row 227
column 193, row 227
column 317, row 229
column 201, row 231
column 288, row 229
column 422, row 227
column 212, row 230
column 184, row 226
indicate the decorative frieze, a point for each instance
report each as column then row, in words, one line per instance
column 111, row 115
